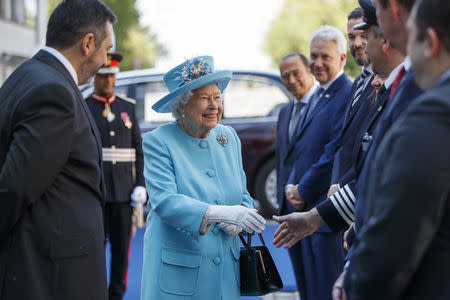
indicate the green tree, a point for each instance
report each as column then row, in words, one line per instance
column 138, row 45
column 298, row 19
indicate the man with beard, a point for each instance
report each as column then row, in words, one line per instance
column 51, row 188
column 337, row 212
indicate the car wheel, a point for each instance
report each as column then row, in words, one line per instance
column 266, row 189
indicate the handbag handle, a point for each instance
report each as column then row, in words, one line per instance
column 248, row 243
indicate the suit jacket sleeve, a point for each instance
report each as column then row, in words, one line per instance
column 40, row 146
column 407, row 199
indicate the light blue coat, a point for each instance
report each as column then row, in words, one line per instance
column 184, row 176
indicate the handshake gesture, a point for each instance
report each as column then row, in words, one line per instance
column 235, row 218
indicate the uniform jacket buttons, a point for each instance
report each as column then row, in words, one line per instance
column 112, row 133
column 211, row 173
column 203, row 144
column 217, row 260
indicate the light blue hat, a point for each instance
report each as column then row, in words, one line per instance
column 190, row 75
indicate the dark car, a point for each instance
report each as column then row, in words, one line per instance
column 252, row 101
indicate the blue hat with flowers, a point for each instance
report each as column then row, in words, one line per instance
column 190, row 75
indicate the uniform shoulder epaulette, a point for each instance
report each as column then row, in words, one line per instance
column 128, row 99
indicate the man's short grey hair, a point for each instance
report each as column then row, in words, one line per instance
column 179, row 103
column 330, row 33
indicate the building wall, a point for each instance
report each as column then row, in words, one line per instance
column 22, row 32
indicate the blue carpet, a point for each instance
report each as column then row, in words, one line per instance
column 280, row 256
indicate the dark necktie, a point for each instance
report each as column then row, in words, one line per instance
column 295, row 118
column 360, row 86
column 396, row 82
column 313, row 101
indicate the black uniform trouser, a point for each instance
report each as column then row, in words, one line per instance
column 117, row 218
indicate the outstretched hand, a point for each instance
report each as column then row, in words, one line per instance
column 296, row 226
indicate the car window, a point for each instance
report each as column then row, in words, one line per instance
column 148, row 94
column 253, row 96
column 245, row 96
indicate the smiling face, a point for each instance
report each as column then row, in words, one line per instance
column 202, row 112
column 104, row 84
column 297, row 77
column 357, row 40
column 325, row 61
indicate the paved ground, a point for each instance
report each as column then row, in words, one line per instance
column 280, row 257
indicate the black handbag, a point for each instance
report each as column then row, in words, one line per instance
column 259, row 275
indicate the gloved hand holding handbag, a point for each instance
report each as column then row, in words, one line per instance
column 246, row 218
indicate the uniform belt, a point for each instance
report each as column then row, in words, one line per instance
column 119, row 154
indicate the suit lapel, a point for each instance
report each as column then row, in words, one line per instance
column 49, row 59
column 351, row 112
column 379, row 106
column 322, row 102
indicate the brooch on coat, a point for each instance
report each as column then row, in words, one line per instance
column 222, row 139
column 126, row 120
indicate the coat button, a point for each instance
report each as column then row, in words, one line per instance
column 112, row 133
column 211, row 173
column 203, row 144
column 217, row 260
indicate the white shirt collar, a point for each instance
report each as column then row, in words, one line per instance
column 64, row 61
column 407, row 63
column 326, row 85
column 391, row 78
column 308, row 94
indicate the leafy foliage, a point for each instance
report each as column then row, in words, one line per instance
column 138, row 45
column 298, row 19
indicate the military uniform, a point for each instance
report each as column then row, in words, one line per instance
column 123, row 171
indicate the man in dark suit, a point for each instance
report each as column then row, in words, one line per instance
column 122, row 150
column 408, row 199
column 299, row 81
column 392, row 20
column 330, row 212
column 51, row 188
column 322, row 254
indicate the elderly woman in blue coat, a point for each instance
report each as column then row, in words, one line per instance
column 198, row 198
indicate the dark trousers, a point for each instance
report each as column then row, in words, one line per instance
column 295, row 253
column 117, row 218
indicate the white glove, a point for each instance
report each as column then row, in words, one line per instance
column 247, row 218
column 229, row 228
column 138, row 196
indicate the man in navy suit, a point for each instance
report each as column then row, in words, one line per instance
column 322, row 254
column 51, row 189
column 298, row 79
column 357, row 111
column 392, row 16
column 408, row 199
